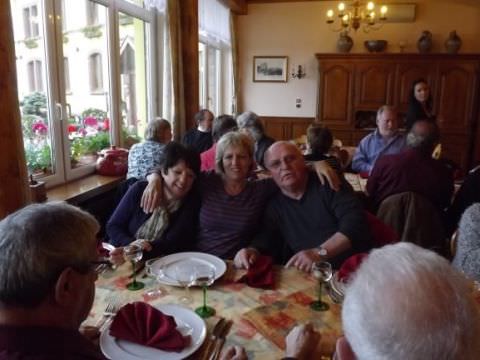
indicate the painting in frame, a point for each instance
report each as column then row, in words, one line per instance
column 270, row 68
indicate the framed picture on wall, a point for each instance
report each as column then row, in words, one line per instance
column 270, row 68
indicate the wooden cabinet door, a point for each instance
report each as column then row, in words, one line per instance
column 457, row 87
column 335, row 94
column 407, row 72
column 373, row 84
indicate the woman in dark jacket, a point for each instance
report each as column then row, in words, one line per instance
column 419, row 104
column 171, row 227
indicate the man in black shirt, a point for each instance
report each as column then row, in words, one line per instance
column 200, row 138
column 315, row 222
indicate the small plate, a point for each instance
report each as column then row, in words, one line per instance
column 187, row 259
column 188, row 323
column 337, row 285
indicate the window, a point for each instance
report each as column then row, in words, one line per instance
column 92, row 13
column 95, row 72
column 95, row 93
column 30, row 21
column 35, row 80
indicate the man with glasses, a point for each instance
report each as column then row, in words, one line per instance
column 48, row 259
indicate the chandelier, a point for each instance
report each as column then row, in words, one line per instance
column 357, row 15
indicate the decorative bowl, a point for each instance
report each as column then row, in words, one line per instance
column 376, row 45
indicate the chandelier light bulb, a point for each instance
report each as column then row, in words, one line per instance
column 383, row 10
column 370, row 6
column 330, row 13
column 341, row 7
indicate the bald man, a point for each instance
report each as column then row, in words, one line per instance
column 315, row 222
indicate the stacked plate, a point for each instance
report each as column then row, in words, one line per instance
column 337, row 287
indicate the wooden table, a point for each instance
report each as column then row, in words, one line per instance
column 261, row 318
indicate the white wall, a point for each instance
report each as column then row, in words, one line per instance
column 298, row 30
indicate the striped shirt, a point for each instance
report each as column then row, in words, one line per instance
column 228, row 223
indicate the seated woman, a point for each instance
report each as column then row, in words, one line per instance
column 319, row 143
column 467, row 256
column 172, row 226
column 231, row 205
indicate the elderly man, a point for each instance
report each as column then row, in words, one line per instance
column 200, row 138
column 315, row 222
column 143, row 157
column 250, row 123
column 414, row 170
column 47, row 266
column 384, row 140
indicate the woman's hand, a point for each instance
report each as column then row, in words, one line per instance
column 326, row 173
column 152, row 195
column 245, row 258
column 301, row 342
column 116, row 256
column 145, row 244
column 234, row 353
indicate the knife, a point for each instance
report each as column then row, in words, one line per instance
column 213, row 338
column 220, row 341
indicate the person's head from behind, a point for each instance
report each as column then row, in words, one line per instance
column 204, row 120
column 319, row 139
column 420, row 91
column 250, row 123
column 286, row 164
column 222, row 125
column 234, row 156
column 180, row 166
column 423, row 136
column 406, row 302
column 46, row 263
column 387, row 121
column 159, row 130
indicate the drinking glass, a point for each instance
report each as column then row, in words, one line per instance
column 157, row 273
column 322, row 271
column 204, row 277
column 186, row 278
column 134, row 254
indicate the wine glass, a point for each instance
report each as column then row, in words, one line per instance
column 156, row 272
column 322, row 271
column 134, row 254
column 186, row 278
column 204, row 277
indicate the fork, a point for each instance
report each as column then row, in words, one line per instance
column 111, row 309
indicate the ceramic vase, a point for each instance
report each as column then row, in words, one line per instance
column 453, row 43
column 344, row 43
column 424, row 44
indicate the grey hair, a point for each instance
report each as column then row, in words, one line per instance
column 36, row 244
column 424, row 141
column 467, row 255
column 384, row 108
column 233, row 138
column 406, row 302
column 251, row 122
column 155, row 127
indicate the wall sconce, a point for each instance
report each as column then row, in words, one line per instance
column 299, row 73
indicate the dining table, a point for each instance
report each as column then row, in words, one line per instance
column 261, row 317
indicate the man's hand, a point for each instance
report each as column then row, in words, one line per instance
column 234, row 353
column 116, row 256
column 245, row 258
column 144, row 244
column 301, row 342
column 152, row 195
column 326, row 173
column 303, row 260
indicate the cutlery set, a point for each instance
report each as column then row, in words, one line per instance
column 217, row 339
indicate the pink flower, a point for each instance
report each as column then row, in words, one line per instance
column 72, row 128
column 90, row 121
column 83, row 132
column 106, row 124
column 39, row 127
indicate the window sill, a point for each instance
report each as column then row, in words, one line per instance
column 83, row 189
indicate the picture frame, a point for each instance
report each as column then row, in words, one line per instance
column 270, row 68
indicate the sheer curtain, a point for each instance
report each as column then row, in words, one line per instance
column 214, row 23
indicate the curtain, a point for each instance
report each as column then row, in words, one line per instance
column 235, row 70
column 158, row 4
column 214, row 23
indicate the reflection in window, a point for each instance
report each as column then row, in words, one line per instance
column 95, row 72
column 34, row 71
column 92, row 13
column 30, row 21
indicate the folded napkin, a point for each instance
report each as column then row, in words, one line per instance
column 350, row 265
column 141, row 323
column 260, row 274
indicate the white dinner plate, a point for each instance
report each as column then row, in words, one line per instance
column 187, row 323
column 187, row 260
column 338, row 285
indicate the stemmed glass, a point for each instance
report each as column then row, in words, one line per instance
column 157, row 273
column 134, row 254
column 322, row 271
column 204, row 277
column 186, row 278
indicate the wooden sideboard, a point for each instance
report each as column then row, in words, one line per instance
column 352, row 87
column 286, row 128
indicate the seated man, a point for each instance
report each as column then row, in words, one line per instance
column 221, row 125
column 200, row 138
column 384, row 140
column 314, row 221
column 414, row 170
column 145, row 156
column 250, row 123
column 48, row 254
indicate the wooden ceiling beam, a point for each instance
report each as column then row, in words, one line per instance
column 238, row 7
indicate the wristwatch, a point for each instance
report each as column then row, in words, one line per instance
column 322, row 252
